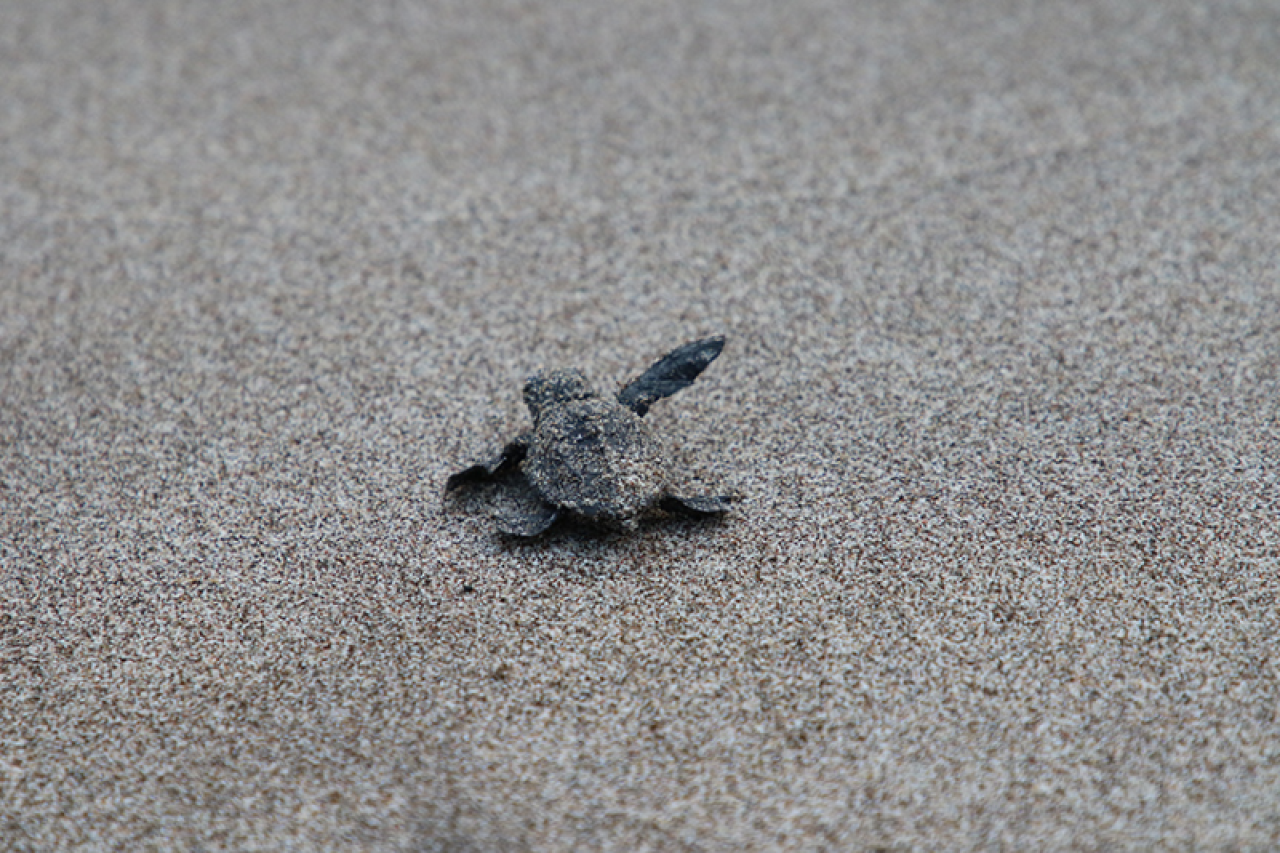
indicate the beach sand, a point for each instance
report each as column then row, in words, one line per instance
column 1000, row 401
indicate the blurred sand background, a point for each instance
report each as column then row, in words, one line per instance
column 1000, row 282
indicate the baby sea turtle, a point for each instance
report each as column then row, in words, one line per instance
column 590, row 455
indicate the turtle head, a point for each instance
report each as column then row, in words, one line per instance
column 555, row 388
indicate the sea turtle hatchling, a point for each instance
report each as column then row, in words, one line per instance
column 592, row 456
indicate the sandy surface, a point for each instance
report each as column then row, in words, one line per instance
column 1001, row 398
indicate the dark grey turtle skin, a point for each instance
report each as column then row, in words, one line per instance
column 593, row 456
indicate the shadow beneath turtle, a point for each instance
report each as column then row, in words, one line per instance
column 524, row 520
column 572, row 529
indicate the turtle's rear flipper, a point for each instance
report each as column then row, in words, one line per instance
column 505, row 493
column 674, row 371
column 698, row 507
column 529, row 521
column 512, row 455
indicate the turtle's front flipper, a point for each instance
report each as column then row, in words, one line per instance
column 699, row 506
column 512, row 455
column 673, row 372
column 529, row 521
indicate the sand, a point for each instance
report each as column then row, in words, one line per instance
column 1000, row 398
